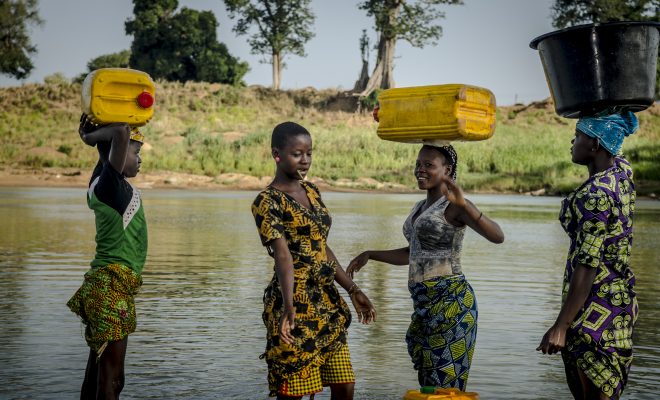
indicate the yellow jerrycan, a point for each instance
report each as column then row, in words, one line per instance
column 118, row 95
column 433, row 393
column 436, row 113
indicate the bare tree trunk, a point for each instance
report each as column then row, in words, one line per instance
column 381, row 77
column 277, row 70
column 362, row 81
column 388, row 65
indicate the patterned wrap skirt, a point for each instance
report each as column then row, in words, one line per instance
column 105, row 303
column 600, row 340
column 443, row 331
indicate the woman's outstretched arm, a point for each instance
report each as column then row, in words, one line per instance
column 395, row 257
column 366, row 311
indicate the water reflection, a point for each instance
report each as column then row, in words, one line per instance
column 200, row 332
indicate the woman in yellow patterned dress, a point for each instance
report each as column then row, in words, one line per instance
column 306, row 319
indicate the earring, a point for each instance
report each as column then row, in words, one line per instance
column 277, row 159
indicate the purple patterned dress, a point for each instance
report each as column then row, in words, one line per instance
column 598, row 218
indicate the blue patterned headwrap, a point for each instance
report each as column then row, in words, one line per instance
column 610, row 130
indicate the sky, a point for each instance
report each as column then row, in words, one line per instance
column 484, row 43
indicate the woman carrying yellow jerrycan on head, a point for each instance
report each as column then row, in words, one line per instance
column 443, row 330
column 105, row 300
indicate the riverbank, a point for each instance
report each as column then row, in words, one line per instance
column 217, row 136
column 75, row 178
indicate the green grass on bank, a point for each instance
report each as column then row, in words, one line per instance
column 212, row 129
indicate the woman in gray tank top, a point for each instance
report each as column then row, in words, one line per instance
column 443, row 327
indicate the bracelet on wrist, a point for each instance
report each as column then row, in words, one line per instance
column 353, row 289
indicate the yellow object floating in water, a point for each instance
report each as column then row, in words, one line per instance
column 436, row 113
column 431, row 393
column 118, row 95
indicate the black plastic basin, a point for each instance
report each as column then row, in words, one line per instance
column 590, row 68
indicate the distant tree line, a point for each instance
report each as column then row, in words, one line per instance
column 182, row 45
column 15, row 45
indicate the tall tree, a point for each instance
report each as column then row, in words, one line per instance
column 409, row 20
column 15, row 44
column 363, row 80
column 567, row 13
column 180, row 46
column 120, row 59
column 283, row 27
column 573, row 12
column 113, row 60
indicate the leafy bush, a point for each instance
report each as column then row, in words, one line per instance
column 57, row 78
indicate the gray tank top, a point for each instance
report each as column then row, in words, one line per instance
column 435, row 244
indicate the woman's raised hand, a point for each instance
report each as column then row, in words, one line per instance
column 357, row 263
column 86, row 126
column 452, row 192
column 366, row 311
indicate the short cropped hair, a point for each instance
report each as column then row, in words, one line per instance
column 284, row 131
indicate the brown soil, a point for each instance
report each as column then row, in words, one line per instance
column 73, row 177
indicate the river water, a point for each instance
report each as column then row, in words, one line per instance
column 199, row 311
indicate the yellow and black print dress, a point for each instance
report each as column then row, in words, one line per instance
column 322, row 316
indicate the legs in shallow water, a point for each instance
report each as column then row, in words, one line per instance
column 338, row 391
column 591, row 391
column 104, row 379
column 573, row 380
column 342, row 391
column 89, row 385
column 443, row 332
column 283, row 397
column 581, row 387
